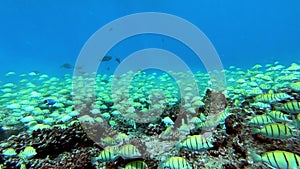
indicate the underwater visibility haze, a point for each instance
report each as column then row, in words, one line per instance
column 149, row 84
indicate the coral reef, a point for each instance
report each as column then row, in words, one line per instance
column 56, row 148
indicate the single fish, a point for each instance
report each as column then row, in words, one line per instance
column 176, row 163
column 195, row 143
column 106, row 155
column 264, row 86
column 208, row 125
column 260, row 120
column 195, row 120
column 289, row 107
column 221, row 117
column 9, row 152
column 278, row 159
column 278, row 116
column 27, row 153
column 49, row 102
column 122, row 137
column 118, row 60
column 66, row 66
column 109, row 141
column 282, row 96
column 166, row 133
column 266, row 98
column 129, row 151
column 275, row 131
column 271, row 97
column 260, row 105
column 295, row 86
column 106, row 58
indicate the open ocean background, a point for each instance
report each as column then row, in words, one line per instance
column 42, row 35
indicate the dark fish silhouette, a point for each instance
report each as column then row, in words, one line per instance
column 118, row 60
column 66, row 66
column 49, row 102
column 106, row 58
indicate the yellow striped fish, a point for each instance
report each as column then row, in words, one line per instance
column 9, row 152
column 135, row 165
column 176, row 163
column 254, row 91
column 271, row 97
column 200, row 125
column 129, row 151
column 282, row 96
column 279, row 159
column 106, row 155
column 122, row 137
column 295, row 86
column 290, row 107
column 275, row 131
column 195, row 143
column 278, row 116
column 27, row 153
column 266, row 98
column 207, row 125
column 260, row 105
column 260, row 120
column 109, row 141
column 195, row 120
column 166, row 133
column 214, row 120
column 264, row 86
column 221, row 117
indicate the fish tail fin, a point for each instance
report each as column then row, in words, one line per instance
column 247, row 122
column 296, row 123
column 94, row 160
column 178, row 146
column 277, row 107
column 296, row 133
column 256, row 157
column 289, row 121
column 255, row 130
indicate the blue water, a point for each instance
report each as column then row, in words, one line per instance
column 42, row 35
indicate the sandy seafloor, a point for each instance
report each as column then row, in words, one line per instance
column 151, row 114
